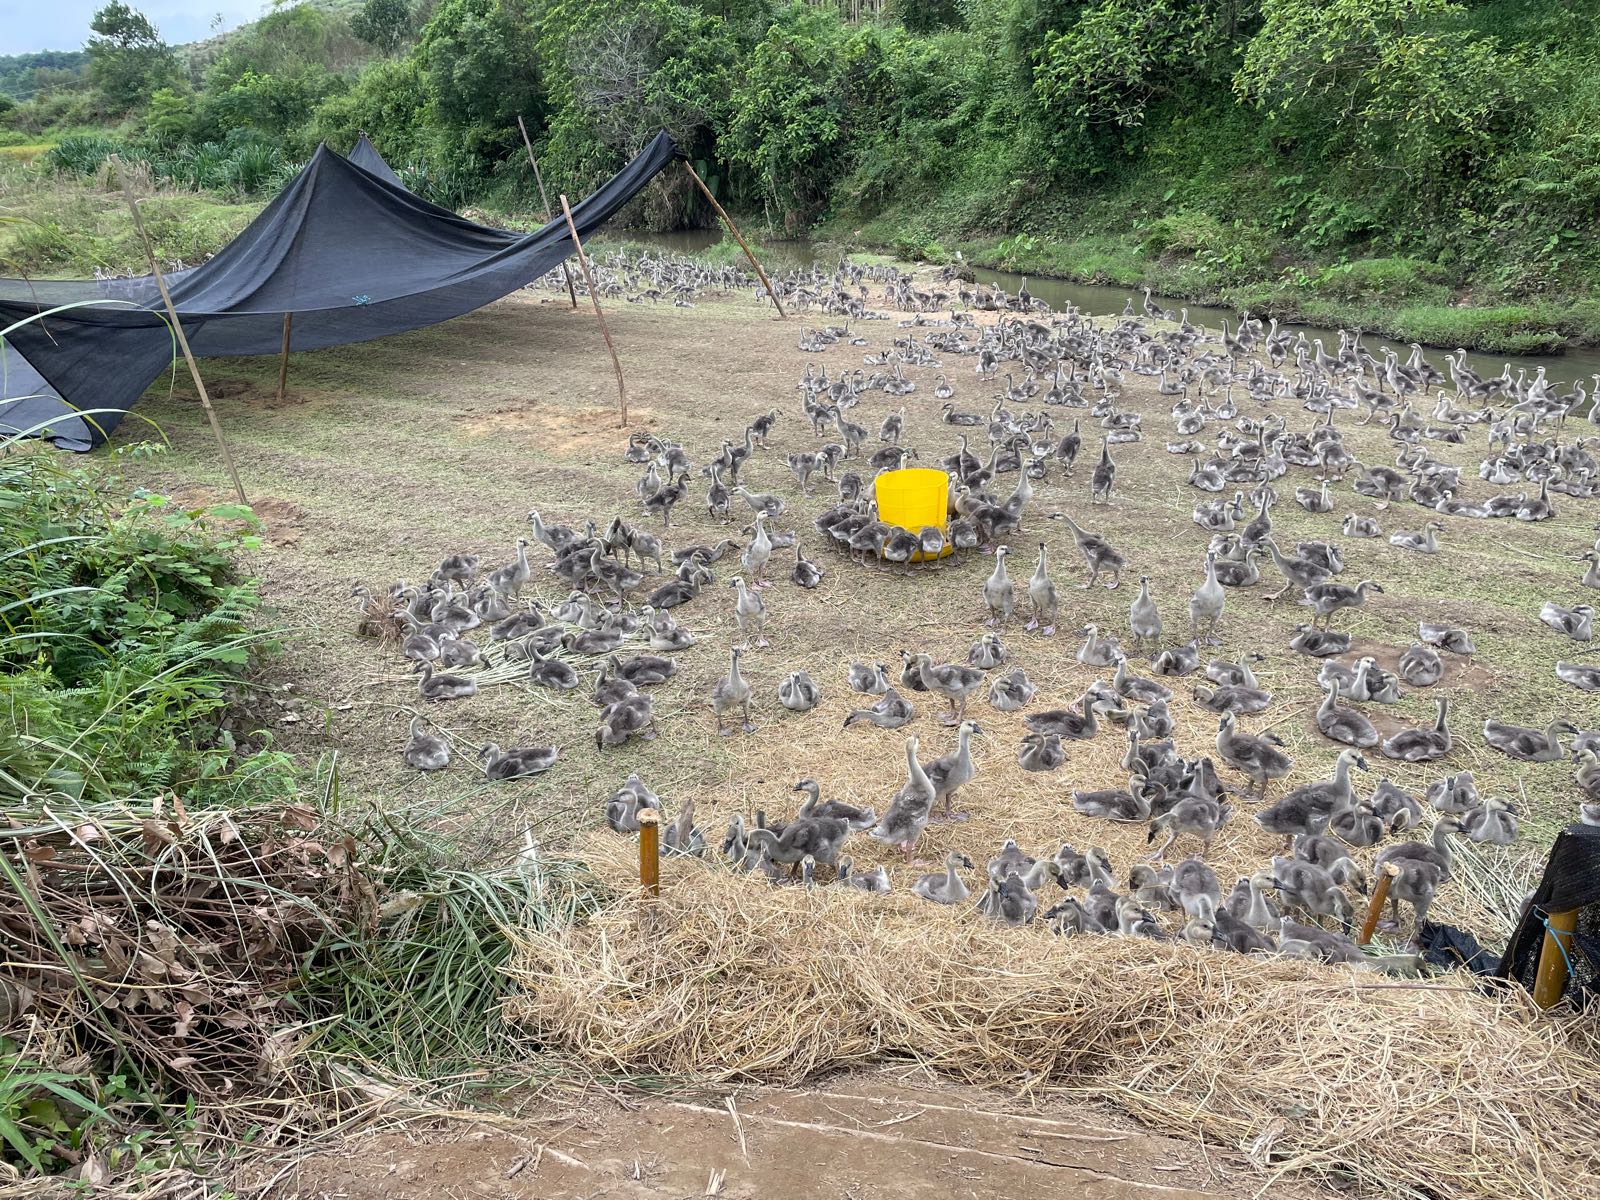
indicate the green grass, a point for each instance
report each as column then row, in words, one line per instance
column 69, row 228
column 23, row 151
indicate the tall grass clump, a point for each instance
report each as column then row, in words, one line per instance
column 419, row 994
column 81, row 153
column 238, row 165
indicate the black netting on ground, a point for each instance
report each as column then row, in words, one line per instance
column 353, row 256
column 1447, row 946
column 1571, row 881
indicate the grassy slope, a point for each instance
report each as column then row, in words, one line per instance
column 391, row 454
column 68, row 229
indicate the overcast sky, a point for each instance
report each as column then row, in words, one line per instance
column 64, row 24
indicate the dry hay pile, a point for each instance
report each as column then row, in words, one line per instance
column 170, row 935
column 1404, row 1088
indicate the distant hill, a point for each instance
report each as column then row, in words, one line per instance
column 198, row 55
column 17, row 70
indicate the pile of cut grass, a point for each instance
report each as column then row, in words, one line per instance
column 1402, row 1089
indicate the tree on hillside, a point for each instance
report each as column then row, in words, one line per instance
column 926, row 16
column 1392, row 82
column 128, row 60
column 169, row 116
column 482, row 69
column 1119, row 57
column 383, row 23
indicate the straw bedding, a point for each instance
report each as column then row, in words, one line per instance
column 1402, row 1088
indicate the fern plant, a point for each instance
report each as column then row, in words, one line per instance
column 124, row 633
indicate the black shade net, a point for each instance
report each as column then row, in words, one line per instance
column 344, row 248
column 1571, row 882
column 365, row 155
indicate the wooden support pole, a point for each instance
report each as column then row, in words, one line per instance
column 594, row 297
column 1380, row 893
column 283, row 357
column 183, row 340
column 650, row 851
column 1550, row 977
column 545, row 197
column 737, row 236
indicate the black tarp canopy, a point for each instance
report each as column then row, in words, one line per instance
column 365, row 155
column 344, row 248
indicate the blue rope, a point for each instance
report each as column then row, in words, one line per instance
column 1556, row 936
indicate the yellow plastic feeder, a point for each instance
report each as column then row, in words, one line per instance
column 914, row 498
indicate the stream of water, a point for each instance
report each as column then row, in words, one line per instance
column 1098, row 300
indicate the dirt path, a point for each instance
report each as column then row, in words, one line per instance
column 858, row 1138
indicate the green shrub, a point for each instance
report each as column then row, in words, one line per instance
column 1184, row 231
column 125, row 629
column 1508, row 329
column 917, row 244
column 82, row 154
column 1390, row 281
column 45, row 1112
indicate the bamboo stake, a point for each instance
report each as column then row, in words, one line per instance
column 1380, row 893
column 594, row 297
column 283, row 357
column 649, row 849
column 1550, row 977
column 183, row 340
column 545, row 197
column 737, row 236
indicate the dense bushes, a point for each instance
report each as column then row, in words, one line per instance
column 1203, row 144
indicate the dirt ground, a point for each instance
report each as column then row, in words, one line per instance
column 389, row 455
column 873, row 1137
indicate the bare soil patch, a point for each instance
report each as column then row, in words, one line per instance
column 871, row 1138
column 1459, row 671
column 556, row 430
column 282, row 521
column 262, row 394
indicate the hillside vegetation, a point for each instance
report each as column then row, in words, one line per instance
column 1335, row 159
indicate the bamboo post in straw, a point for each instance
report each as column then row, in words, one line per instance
column 737, row 236
column 650, row 851
column 1550, row 977
column 1380, row 893
column 545, row 197
column 594, row 297
column 283, row 357
column 183, row 340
